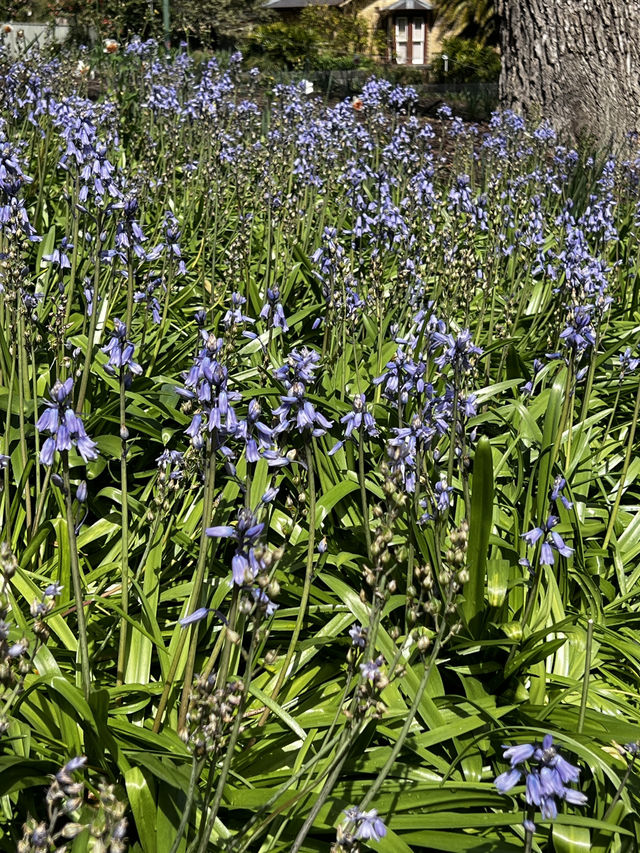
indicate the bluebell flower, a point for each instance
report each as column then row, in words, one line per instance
column 270, row 495
column 459, row 351
column 628, row 363
column 65, row 427
column 148, row 297
column 552, row 541
column 262, row 599
column 234, row 315
column 197, row 616
column 120, row 352
column 296, row 411
column 528, row 387
column 273, row 312
column 257, row 436
column 370, row 670
column 59, row 257
column 368, row 825
column 559, row 484
column 359, row 419
column 245, row 564
column 547, row 775
column 358, row 636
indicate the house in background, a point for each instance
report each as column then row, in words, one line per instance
column 410, row 27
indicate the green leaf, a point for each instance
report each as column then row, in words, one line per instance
column 142, row 799
column 479, row 530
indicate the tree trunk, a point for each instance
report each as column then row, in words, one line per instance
column 575, row 63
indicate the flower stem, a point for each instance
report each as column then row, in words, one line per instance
column 382, row 775
column 124, row 549
column 585, row 680
column 194, row 598
column 307, row 582
column 77, row 581
column 625, row 468
column 196, row 770
column 363, row 494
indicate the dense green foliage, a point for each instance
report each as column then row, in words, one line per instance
column 467, row 61
column 319, row 37
column 264, row 252
column 470, row 19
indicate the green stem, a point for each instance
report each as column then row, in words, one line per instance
column 196, row 770
column 363, row 494
column 93, row 322
column 124, row 550
column 226, row 651
column 327, row 788
column 168, row 683
column 22, row 381
column 194, row 598
column 162, row 329
column 625, row 468
column 230, row 749
column 382, row 775
column 76, row 578
column 619, row 790
column 585, row 680
column 306, row 589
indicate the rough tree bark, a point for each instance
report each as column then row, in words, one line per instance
column 575, row 62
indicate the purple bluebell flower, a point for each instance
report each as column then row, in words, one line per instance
column 65, row 427
column 628, row 363
column 358, row 636
column 559, row 484
column 459, row 351
column 148, row 297
column 262, row 599
column 295, row 409
column 359, row 419
column 59, row 257
column 120, row 352
column 234, row 315
column 547, row 776
column 508, row 780
column 245, row 564
column 368, row 826
column 370, row 670
column 273, row 312
column 552, row 541
column 197, row 616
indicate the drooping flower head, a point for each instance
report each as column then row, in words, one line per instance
column 65, row 428
column 547, row 775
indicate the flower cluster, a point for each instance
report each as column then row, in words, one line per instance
column 64, row 425
column 358, row 826
column 295, row 409
column 211, row 713
column 551, row 541
column 120, row 352
column 547, row 776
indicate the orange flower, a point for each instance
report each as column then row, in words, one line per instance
column 7, row 28
column 110, row 46
column 357, row 104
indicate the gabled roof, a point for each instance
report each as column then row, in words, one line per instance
column 300, row 4
column 409, row 6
